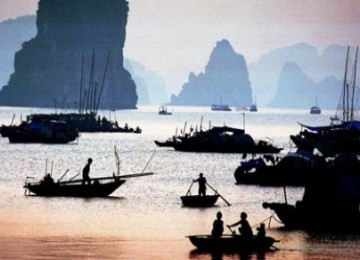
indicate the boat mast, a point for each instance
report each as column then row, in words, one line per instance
column 102, row 83
column 81, row 83
column 345, row 89
column 354, row 85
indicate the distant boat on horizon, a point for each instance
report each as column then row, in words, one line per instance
column 253, row 108
column 164, row 111
column 220, row 107
column 315, row 109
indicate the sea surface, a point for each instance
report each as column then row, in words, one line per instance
column 144, row 218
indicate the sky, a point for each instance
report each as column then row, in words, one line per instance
column 176, row 37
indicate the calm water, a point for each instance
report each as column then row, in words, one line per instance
column 144, row 218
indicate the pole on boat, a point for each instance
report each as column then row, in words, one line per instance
column 117, row 160
column 64, row 174
column 12, row 120
column 45, row 167
column 285, row 195
column 243, row 114
column 188, row 192
column 148, row 161
column 218, row 194
column 52, row 165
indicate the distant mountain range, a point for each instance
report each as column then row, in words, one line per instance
column 288, row 77
column 293, row 76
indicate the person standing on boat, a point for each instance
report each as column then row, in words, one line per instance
column 244, row 229
column 218, row 226
column 86, row 171
column 202, row 184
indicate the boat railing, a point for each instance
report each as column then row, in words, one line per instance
column 93, row 180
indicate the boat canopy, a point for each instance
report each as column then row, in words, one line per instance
column 346, row 125
column 221, row 129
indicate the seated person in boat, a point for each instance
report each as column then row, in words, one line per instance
column 48, row 180
column 244, row 229
column 260, row 231
column 86, row 171
column 202, row 184
column 218, row 226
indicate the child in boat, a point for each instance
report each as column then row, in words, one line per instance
column 48, row 180
column 261, row 231
column 218, row 226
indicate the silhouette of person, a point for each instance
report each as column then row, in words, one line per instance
column 244, row 229
column 218, row 226
column 261, row 231
column 48, row 180
column 86, row 171
column 202, row 184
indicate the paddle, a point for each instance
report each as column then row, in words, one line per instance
column 218, row 194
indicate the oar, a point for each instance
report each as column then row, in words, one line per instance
column 218, row 194
column 232, row 231
column 189, row 188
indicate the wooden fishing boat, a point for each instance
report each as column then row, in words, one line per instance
column 99, row 187
column 232, row 243
column 199, row 201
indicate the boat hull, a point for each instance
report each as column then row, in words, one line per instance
column 74, row 189
column 234, row 243
column 199, row 201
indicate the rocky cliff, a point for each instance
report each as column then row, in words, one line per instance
column 13, row 33
column 297, row 90
column 49, row 66
column 225, row 80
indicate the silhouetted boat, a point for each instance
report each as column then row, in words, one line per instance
column 40, row 128
column 335, row 138
column 315, row 109
column 330, row 202
column 100, row 187
column 223, row 140
column 293, row 169
column 168, row 143
column 199, row 201
column 232, row 243
column 253, row 108
column 89, row 122
column 215, row 107
column 164, row 111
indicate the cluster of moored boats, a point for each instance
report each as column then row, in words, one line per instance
column 60, row 128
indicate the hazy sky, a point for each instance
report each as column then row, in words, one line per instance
column 175, row 37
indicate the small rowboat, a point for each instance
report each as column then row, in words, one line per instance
column 199, row 201
column 232, row 243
